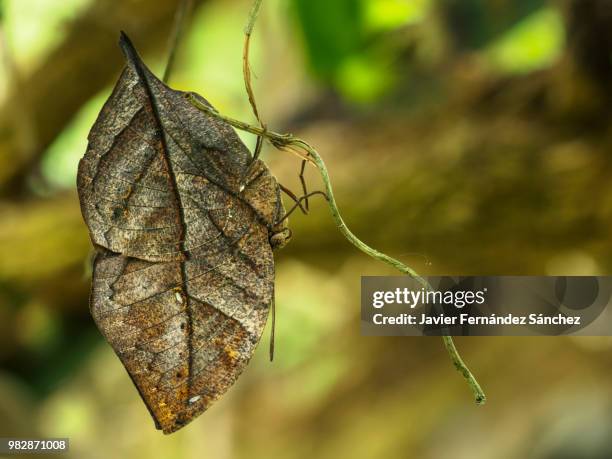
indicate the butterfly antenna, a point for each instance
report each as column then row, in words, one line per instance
column 273, row 307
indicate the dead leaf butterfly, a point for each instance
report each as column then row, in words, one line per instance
column 184, row 223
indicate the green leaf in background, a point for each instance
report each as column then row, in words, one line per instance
column 332, row 32
column 342, row 42
column 535, row 42
column 390, row 14
column 363, row 78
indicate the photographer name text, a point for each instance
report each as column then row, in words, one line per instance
column 466, row 319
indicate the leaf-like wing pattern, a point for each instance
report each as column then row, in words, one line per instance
column 184, row 273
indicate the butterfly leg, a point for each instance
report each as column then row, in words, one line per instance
column 293, row 197
column 305, row 195
column 303, row 181
column 298, row 203
column 258, row 147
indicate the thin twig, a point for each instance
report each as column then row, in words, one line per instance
column 246, row 67
column 248, row 29
column 290, row 142
column 182, row 13
column 461, row 367
column 246, row 70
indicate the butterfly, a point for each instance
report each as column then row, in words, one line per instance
column 184, row 222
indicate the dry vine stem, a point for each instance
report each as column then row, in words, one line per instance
column 288, row 142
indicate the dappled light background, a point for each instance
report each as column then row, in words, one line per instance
column 462, row 137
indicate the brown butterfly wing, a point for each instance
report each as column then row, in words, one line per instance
column 184, row 274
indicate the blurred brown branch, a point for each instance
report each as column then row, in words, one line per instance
column 82, row 65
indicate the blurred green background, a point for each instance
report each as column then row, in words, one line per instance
column 462, row 136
